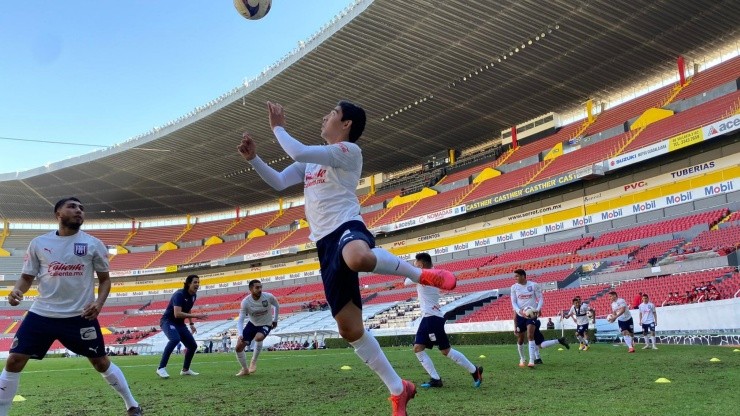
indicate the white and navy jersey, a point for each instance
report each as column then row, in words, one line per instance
column 528, row 294
column 581, row 314
column 330, row 191
column 428, row 299
column 620, row 303
column 258, row 310
column 330, row 175
column 647, row 312
column 65, row 268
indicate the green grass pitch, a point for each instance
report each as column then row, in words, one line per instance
column 603, row 381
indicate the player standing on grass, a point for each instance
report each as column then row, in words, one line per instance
column 648, row 320
column 330, row 175
column 173, row 326
column 64, row 261
column 525, row 294
column 257, row 306
column 621, row 314
column 432, row 331
column 579, row 313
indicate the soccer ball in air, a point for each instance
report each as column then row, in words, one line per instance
column 253, row 9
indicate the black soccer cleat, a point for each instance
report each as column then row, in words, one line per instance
column 563, row 343
column 433, row 382
column 477, row 377
column 538, row 361
column 134, row 411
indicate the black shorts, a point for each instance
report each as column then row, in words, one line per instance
column 341, row 284
column 432, row 332
column 250, row 330
column 522, row 323
column 648, row 327
column 627, row 325
column 582, row 329
column 77, row 334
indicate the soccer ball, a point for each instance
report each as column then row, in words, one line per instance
column 253, row 9
column 610, row 317
column 530, row 312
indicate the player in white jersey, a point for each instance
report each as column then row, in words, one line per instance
column 64, row 263
column 579, row 313
column 262, row 309
column 648, row 320
column 621, row 314
column 330, row 175
column 526, row 294
column 432, row 331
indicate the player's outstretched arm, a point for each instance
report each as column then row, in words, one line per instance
column 291, row 175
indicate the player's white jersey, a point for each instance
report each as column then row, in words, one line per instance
column 258, row 310
column 581, row 313
column 330, row 190
column 428, row 299
column 647, row 311
column 65, row 270
column 620, row 303
column 528, row 294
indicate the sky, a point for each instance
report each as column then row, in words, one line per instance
column 99, row 72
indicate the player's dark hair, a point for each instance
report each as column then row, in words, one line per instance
column 613, row 293
column 63, row 201
column 576, row 299
column 425, row 259
column 520, row 272
column 356, row 115
column 189, row 280
column 253, row 282
column 645, row 295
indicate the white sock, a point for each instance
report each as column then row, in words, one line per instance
column 257, row 351
column 581, row 339
column 549, row 343
column 8, row 388
column 368, row 349
column 520, row 348
column 628, row 341
column 427, row 363
column 115, row 378
column 387, row 263
column 585, row 340
column 242, row 358
column 653, row 338
column 532, row 348
column 537, row 352
column 461, row 360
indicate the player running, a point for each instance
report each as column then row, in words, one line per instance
column 257, row 306
column 579, row 313
column 621, row 314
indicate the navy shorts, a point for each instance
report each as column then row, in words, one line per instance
column 627, row 325
column 250, row 330
column 77, row 334
column 432, row 332
column 538, row 337
column 582, row 329
column 341, row 284
column 648, row 327
column 522, row 323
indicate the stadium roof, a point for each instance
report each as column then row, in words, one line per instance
column 432, row 66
